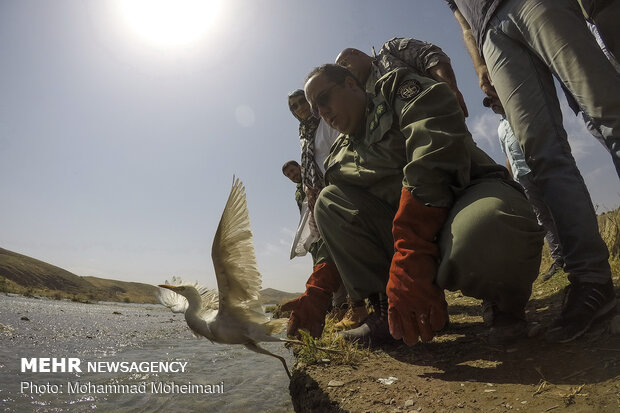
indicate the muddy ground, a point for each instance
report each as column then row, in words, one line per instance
column 460, row 372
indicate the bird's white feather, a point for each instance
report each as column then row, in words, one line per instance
column 240, row 318
column 234, row 260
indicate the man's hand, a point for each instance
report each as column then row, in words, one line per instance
column 442, row 72
column 312, row 194
column 309, row 309
column 307, row 313
column 417, row 307
column 485, row 82
column 415, row 311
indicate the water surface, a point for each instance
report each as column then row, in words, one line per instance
column 233, row 378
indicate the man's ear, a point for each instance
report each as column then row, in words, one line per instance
column 353, row 85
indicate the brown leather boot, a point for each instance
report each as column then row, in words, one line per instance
column 340, row 312
column 375, row 330
column 354, row 317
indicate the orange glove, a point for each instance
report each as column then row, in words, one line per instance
column 417, row 307
column 309, row 309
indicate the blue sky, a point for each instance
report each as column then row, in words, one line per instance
column 117, row 153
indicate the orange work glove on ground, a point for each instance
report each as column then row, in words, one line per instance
column 309, row 309
column 417, row 307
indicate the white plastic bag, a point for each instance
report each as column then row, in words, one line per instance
column 303, row 237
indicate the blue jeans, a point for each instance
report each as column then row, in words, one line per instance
column 526, row 43
column 544, row 216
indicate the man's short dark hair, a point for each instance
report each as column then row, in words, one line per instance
column 334, row 72
column 289, row 163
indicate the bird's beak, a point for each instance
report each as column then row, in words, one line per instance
column 170, row 287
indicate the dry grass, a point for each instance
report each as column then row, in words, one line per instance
column 610, row 231
column 609, row 227
column 348, row 353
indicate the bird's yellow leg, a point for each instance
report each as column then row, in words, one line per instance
column 258, row 349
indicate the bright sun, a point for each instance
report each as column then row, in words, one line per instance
column 170, row 22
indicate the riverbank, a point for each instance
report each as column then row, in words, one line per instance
column 459, row 371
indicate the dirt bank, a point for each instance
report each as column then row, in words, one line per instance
column 459, row 371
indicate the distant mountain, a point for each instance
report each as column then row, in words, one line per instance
column 271, row 296
column 137, row 292
column 25, row 275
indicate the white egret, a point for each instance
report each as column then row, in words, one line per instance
column 239, row 318
column 176, row 302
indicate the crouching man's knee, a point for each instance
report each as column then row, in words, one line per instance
column 491, row 245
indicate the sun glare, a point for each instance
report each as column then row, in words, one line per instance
column 170, row 22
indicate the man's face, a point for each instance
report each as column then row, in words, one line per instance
column 300, row 107
column 293, row 172
column 342, row 106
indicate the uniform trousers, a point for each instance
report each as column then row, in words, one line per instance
column 490, row 245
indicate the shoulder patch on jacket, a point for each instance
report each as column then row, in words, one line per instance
column 379, row 111
column 409, row 89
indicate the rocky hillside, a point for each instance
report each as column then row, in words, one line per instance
column 25, row 275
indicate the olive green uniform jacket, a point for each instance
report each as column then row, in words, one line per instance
column 416, row 137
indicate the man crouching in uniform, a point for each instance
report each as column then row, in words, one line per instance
column 414, row 207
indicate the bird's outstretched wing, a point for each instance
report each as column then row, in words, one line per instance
column 233, row 255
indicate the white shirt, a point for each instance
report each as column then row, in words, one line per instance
column 323, row 140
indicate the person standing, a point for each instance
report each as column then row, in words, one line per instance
column 523, row 175
column 292, row 171
column 517, row 46
column 605, row 14
column 316, row 139
column 316, row 142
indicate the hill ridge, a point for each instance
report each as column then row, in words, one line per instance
column 30, row 276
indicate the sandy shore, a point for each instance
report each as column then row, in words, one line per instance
column 60, row 326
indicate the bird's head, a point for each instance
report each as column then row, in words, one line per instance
column 194, row 299
column 185, row 290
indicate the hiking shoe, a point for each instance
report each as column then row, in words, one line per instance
column 583, row 303
column 353, row 318
column 555, row 267
column 506, row 327
column 375, row 330
column 340, row 312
